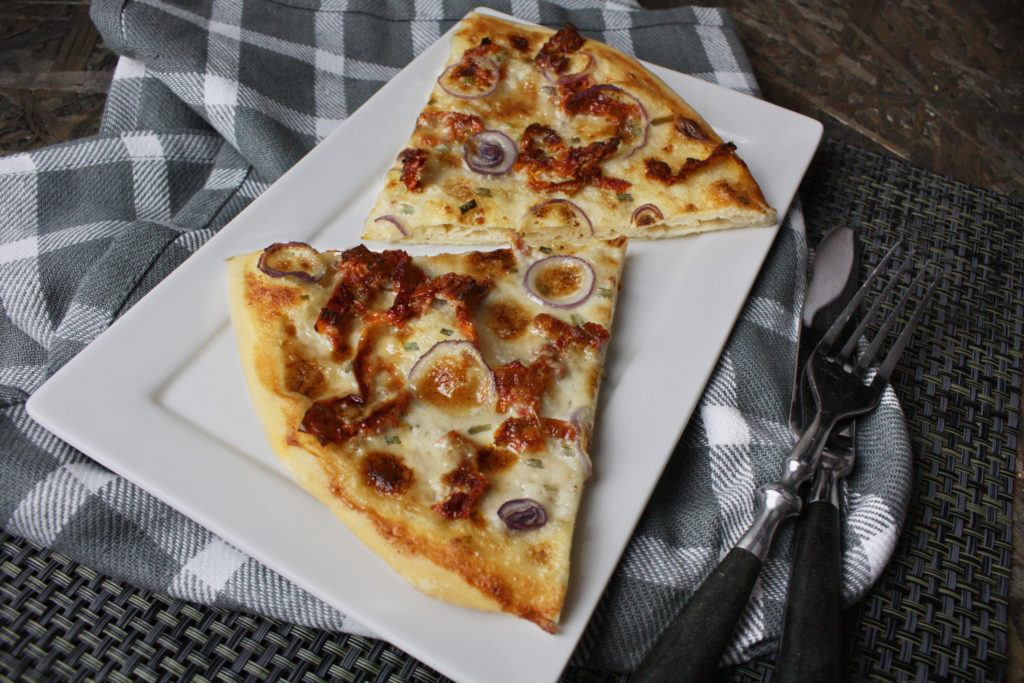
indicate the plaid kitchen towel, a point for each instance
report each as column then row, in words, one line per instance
column 212, row 101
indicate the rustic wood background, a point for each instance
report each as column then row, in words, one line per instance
column 938, row 83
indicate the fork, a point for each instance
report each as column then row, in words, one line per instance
column 842, row 388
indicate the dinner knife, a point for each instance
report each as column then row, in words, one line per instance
column 691, row 647
column 812, row 635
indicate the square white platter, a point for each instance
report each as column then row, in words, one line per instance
column 167, row 406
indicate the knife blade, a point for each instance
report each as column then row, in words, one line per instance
column 812, row 635
column 834, row 280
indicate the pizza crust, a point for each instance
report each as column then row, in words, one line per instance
column 462, row 561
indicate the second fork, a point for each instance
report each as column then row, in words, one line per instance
column 691, row 647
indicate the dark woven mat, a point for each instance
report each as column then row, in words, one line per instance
column 938, row 613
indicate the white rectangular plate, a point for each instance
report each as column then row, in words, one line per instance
column 168, row 408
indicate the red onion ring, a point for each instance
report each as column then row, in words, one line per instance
column 490, row 65
column 490, row 152
column 582, row 441
column 537, row 208
column 394, row 221
column 422, row 365
column 645, row 117
column 570, row 300
column 523, row 514
column 646, row 208
column 265, row 266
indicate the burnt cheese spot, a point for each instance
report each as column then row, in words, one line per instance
column 303, row 377
column 491, row 264
column 507, row 319
column 453, row 381
column 386, row 474
column 559, row 280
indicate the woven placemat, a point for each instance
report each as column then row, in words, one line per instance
column 938, row 613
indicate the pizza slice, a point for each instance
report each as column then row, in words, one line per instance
column 440, row 405
column 556, row 135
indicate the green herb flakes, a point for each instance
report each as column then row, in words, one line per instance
column 483, row 191
column 625, row 197
column 604, row 292
column 576, row 320
column 534, row 462
column 392, row 439
column 468, row 206
column 476, row 429
column 548, row 90
column 446, row 332
column 546, row 250
column 406, row 208
column 412, row 346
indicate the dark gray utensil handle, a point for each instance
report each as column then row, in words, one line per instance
column 692, row 645
column 812, row 637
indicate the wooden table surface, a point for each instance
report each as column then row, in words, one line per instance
column 938, row 83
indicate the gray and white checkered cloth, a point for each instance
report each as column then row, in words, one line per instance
column 212, row 101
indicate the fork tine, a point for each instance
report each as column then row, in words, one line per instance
column 886, row 368
column 830, row 336
column 869, row 318
column 876, row 343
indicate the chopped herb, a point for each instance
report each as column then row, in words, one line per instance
column 548, row 89
column 446, row 332
column 483, row 191
column 625, row 197
column 574, row 138
column 662, row 120
column 432, row 100
column 305, row 297
column 534, row 462
column 634, row 128
column 568, row 451
column 576, row 319
column 476, row 429
column 444, row 149
column 406, row 208
column 468, row 206
column 546, row 250
column 412, row 346
column 550, row 488
column 392, row 439
column 742, row 199
column 604, row 292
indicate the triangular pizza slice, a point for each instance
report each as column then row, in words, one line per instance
column 440, row 405
column 553, row 134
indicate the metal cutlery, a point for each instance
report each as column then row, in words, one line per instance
column 691, row 647
column 812, row 636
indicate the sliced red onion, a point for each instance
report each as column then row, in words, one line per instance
column 394, row 221
column 645, row 210
column 543, row 281
column 538, row 208
column 523, row 514
column 490, row 152
column 456, row 349
column 580, row 421
column 292, row 259
column 587, row 68
column 487, row 63
column 645, row 118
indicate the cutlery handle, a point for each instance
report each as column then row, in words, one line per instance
column 812, row 636
column 692, row 645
